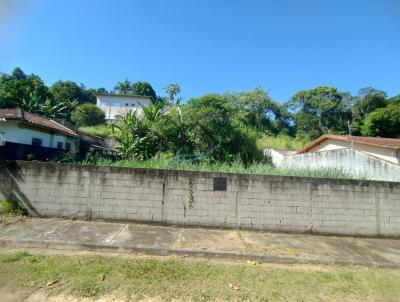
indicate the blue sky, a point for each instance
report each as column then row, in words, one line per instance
column 206, row 46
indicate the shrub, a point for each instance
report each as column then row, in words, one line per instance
column 87, row 115
column 11, row 207
column 280, row 142
column 99, row 130
column 384, row 122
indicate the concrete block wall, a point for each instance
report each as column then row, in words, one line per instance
column 275, row 203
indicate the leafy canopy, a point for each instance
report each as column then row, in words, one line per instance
column 144, row 88
column 87, row 115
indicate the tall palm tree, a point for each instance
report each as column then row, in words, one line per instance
column 172, row 90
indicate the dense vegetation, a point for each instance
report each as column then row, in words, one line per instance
column 227, row 128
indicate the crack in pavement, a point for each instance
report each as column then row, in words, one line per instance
column 113, row 237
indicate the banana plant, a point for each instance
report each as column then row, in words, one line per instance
column 125, row 134
column 50, row 110
column 32, row 104
column 134, row 138
column 154, row 112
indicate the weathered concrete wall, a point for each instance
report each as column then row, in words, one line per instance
column 296, row 204
column 347, row 159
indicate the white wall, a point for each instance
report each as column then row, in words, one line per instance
column 277, row 157
column 387, row 154
column 15, row 132
column 352, row 161
column 116, row 105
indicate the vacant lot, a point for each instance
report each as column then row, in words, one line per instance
column 165, row 279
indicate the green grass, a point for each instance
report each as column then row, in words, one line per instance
column 280, row 142
column 188, row 280
column 11, row 207
column 100, row 130
column 165, row 161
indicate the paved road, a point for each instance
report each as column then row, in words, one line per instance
column 230, row 244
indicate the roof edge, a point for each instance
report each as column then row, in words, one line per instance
column 123, row 95
column 20, row 116
column 324, row 137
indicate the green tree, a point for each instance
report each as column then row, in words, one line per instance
column 257, row 110
column 144, row 88
column 367, row 100
column 208, row 126
column 18, row 86
column 63, row 91
column 124, row 87
column 172, row 91
column 394, row 100
column 383, row 122
column 318, row 111
column 87, row 115
column 98, row 90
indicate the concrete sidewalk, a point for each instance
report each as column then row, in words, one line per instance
column 197, row 242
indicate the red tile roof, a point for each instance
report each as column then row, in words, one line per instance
column 392, row 143
column 37, row 120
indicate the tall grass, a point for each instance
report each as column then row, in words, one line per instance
column 280, row 142
column 167, row 161
column 100, row 130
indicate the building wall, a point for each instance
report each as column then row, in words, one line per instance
column 115, row 105
column 380, row 152
column 276, row 156
column 330, row 144
column 16, row 132
column 275, row 203
column 14, row 151
column 352, row 161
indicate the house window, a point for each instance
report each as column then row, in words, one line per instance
column 67, row 146
column 36, row 142
column 59, row 145
column 133, row 105
column 126, row 104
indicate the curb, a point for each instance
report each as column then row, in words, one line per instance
column 161, row 251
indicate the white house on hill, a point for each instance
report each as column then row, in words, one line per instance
column 116, row 106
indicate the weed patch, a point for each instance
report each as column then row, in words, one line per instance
column 11, row 207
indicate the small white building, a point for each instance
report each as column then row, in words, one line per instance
column 373, row 157
column 387, row 149
column 116, row 106
column 24, row 133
